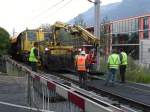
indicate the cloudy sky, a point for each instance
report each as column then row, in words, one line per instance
column 20, row 14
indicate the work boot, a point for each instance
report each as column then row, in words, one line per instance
column 112, row 84
column 106, row 84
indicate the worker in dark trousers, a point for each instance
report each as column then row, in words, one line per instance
column 33, row 57
column 123, row 65
column 82, row 69
column 113, row 65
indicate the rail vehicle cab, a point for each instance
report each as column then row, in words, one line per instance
column 26, row 39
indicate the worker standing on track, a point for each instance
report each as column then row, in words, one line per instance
column 113, row 65
column 123, row 65
column 90, row 60
column 82, row 68
column 78, row 51
column 33, row 57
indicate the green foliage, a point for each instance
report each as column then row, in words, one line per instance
column 4, row 41
column 134, row 73
column 103, row 62
column 137, row 73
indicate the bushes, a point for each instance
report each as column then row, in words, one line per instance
column 4, row 41
column 134, row 73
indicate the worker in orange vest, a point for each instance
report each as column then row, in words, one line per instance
column 82, row 68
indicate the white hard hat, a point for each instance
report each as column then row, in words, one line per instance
column 82, row 53
column 79, row 49
column 46, row 49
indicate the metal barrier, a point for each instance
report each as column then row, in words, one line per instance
column 48, row 95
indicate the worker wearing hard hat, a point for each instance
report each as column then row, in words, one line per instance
column 82, row 68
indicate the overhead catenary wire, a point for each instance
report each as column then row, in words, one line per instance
column 49, row 8
column 44, row 11
column 53, row 13
column 61, row 7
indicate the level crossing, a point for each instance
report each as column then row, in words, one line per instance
column 45, row 94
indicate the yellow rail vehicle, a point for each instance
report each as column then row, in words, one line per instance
column 67, row 40
column 58, row 47
column 23, row 43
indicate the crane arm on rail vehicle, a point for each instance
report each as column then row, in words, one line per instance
column 87, row 35
column 76, row 29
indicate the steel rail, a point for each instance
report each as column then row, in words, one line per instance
column 131, row 102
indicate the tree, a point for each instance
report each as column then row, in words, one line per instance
column 80, row 21
column 4, row 41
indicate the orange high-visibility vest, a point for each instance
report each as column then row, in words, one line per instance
column 81, row 63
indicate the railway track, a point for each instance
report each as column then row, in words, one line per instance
column 145, row 107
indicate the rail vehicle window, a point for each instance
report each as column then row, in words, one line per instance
column 31, row 35
column 47, row 36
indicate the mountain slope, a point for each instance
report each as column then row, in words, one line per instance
column 120, row 10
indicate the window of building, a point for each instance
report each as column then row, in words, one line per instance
column 115, row 27
column 115, row 39
column 133, row 25
column 136, row 24
column 118, row 27
column 129, row 23
column 145, row 22
column 120, row 24
column 123, row 26
column 126, row 26
column 133, row 38
column 145, row 34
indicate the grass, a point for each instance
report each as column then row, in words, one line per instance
column 134, row 72
column 137, row 73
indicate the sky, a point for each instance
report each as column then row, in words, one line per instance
column 22, row 14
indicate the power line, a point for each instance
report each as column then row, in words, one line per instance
column 55, row 12
column 49, row 8
column 61, row 7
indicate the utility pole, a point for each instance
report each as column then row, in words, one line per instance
column 97, row 28
column 14, row 32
